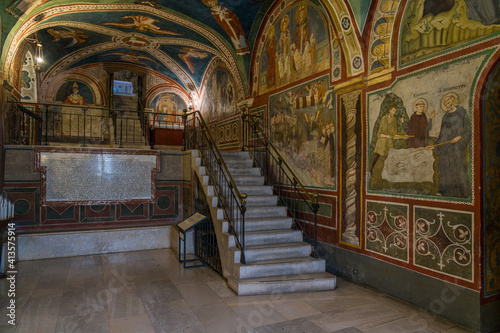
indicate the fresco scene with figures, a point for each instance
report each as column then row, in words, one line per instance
column 167, row 106
column 302, row 126
column 432, row 26
column 420, row 142
column 356, row 142
column 220, row 96
column 296, row 46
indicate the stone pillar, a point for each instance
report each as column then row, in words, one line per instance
column 351, row 180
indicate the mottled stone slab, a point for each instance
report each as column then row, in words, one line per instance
column 97, row 177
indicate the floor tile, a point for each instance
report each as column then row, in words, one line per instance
column 172, row 317
column 217, row 318
column 95, row 322
column 132, row 324
column 292, row 326
column 149, row 291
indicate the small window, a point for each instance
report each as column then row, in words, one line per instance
column 123, row 88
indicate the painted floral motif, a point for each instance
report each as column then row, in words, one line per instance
column 387, row 230
column 443, row 242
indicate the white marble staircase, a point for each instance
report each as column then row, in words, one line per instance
column 277, row 259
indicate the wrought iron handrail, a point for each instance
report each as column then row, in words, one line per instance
column 229, row 197
column 292, row 194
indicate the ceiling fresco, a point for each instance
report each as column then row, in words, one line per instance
column 176, row 39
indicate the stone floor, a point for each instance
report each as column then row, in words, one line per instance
column 149, row 291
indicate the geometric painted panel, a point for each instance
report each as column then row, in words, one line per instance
column 444, row 241
column 98, row 213
column 129, row 211
column 167, row 203
column 60, row 214
column 26, row 202
column 387, row 229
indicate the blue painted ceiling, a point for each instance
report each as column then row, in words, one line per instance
column 172, row 37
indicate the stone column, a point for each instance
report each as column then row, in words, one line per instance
column 349, row 236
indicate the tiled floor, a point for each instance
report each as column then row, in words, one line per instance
column 149, row 291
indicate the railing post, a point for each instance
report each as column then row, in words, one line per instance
column 315, row 208
column 121, row 129
column 184, row 133
column 242, row 243
column 46, row 125
column 84, row 126
column 244, row 130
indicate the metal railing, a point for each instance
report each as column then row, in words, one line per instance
column 44, row 123
column 229, row 199
column 301, row 205
column 205, row 239
column 25, row 126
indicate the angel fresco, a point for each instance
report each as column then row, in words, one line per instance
column 188, row 53
column 75, row 36
column 143, row 23
column 230, row 22
column 131, row 56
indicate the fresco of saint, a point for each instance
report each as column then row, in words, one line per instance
column 75, row 98
column 302, row 47
column 230, row 22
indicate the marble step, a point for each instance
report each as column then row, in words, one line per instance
column 283, row 284
column 263, row 224
column 265, row 211
column 261, row 200
column 254, row 238
column 290, row 266
column 234, row 155
column 244, row 171
column 248, row 180
column 239, row 164
column 256, row 189
column 255, row 253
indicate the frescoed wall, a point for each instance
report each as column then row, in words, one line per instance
column 167, row 106
column 28, row 79
column 491, row 180
column 431, row 26
column 296, row 46
column 421, row 134
column 303, row 128
column 220, row 97
column 75, row 93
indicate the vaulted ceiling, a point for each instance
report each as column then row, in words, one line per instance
column 175, row 38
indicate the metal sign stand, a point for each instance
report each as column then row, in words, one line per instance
column 184, row 227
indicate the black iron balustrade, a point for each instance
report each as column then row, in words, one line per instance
column 44, row 123
column 205, row 239
column 229, row 199
column 301, row 205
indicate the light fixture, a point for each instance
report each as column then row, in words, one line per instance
column 38, row 52
column 38, row 57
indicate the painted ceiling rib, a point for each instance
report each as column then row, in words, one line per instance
column 31, row 25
